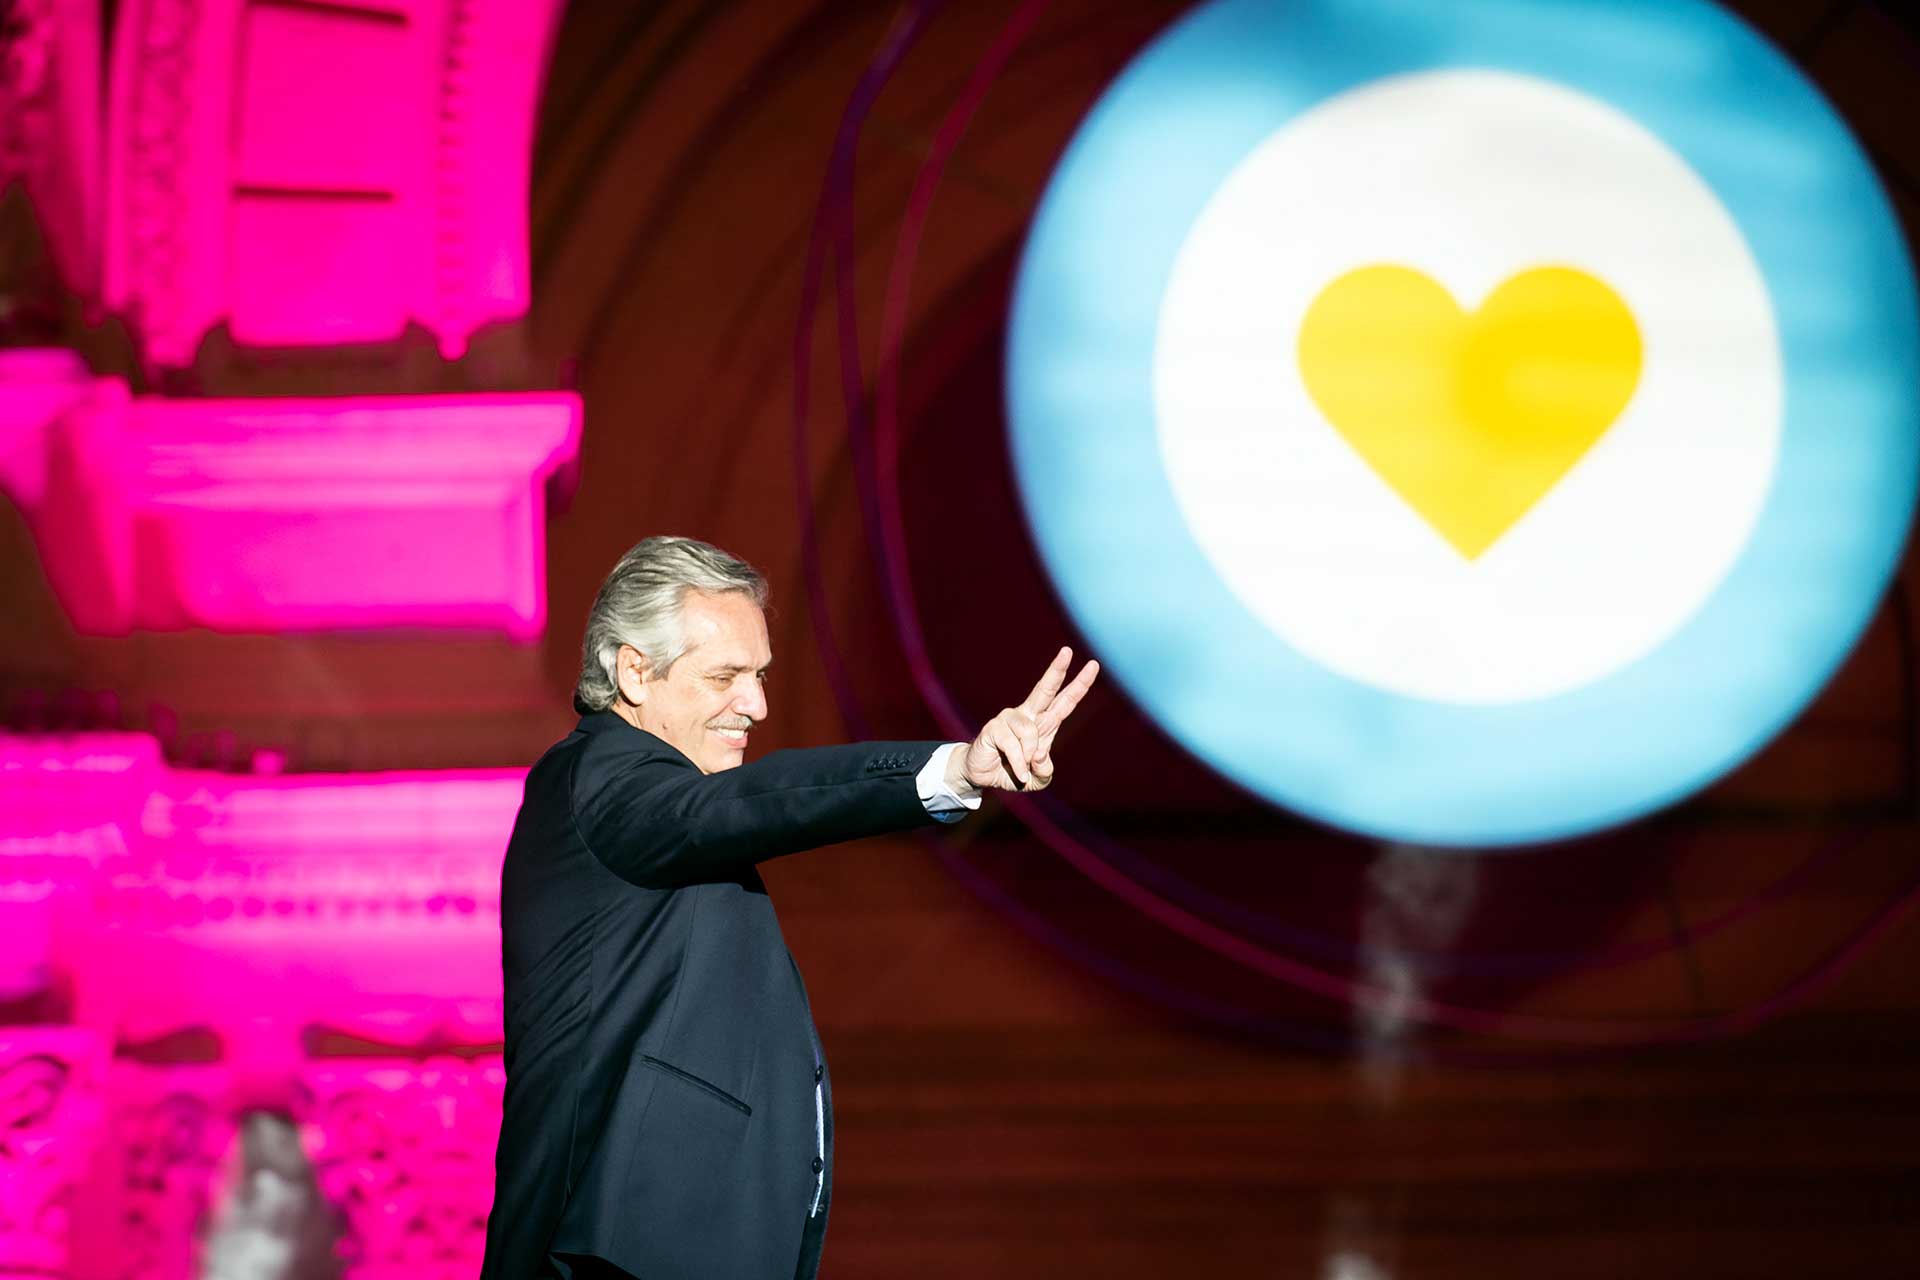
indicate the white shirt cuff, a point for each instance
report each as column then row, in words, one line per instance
column 942, row 801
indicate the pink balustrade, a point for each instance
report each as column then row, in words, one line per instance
column 270, row 922
column 315, row 174
column 276, row 515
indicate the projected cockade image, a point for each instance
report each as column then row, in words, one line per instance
column 1479, row 385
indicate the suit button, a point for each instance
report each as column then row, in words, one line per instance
column 817, row 1073
column 817, row 1165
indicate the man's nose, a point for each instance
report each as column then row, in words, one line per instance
column 752, row 701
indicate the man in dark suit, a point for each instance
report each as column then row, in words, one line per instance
column 668, row 1108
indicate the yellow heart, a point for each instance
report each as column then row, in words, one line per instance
column 1470, row 418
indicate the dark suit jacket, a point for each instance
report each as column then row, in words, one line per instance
column 660, row 1055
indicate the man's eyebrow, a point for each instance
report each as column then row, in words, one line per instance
column 735, row 668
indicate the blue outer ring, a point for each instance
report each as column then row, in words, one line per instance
column 1136, row 176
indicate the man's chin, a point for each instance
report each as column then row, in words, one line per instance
column 721, row 753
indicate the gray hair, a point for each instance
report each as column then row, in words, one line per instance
column 639, row 605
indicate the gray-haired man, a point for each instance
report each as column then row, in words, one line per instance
column 668, row 1110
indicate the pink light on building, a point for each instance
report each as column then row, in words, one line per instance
column 211, row 946
column 320, row 174
column 279, row 515
column 270, row 921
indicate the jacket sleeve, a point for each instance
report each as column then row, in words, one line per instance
column 658, row 822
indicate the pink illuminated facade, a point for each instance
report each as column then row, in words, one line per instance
column 201, row 946
column 327, row 947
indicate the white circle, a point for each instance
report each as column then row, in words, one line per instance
column 1469, row 177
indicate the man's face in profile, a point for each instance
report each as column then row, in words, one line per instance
column 710, row 698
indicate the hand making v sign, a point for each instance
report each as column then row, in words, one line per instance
column 1014, row 751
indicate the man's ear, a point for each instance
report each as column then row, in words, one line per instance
column 630, row 674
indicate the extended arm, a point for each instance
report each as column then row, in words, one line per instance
column 658, row 822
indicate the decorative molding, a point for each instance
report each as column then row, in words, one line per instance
column 150, row 162
column 313, row 175
column 451, row 194
column 272, row 515
column 404, row 1150
column 171, row 1127
column 51, row 1119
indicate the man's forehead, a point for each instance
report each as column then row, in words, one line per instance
column 726, row 631
column 719, row 654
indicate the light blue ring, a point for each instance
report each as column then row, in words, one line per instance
column 1080, row 341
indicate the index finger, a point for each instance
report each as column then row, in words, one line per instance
column 1050, row 683
column 1069, row 698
